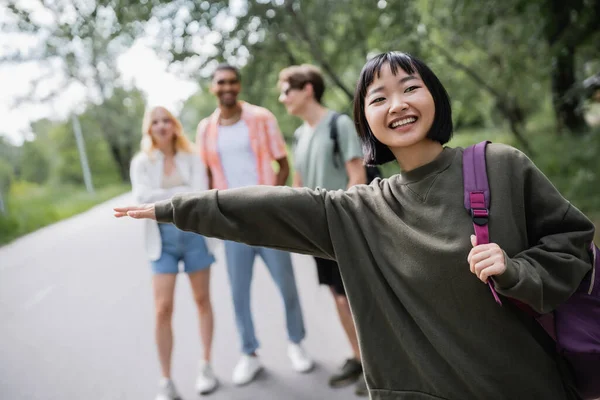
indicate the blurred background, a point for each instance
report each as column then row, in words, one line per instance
column 524, row 72
column 75, row 79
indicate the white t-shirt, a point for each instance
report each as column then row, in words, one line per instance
column 237, row 158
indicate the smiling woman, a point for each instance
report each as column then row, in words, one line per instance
column 399, row 102
column 167, row 165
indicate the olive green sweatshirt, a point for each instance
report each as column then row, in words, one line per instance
column 428, row 328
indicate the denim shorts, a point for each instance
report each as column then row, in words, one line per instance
column 178, row 245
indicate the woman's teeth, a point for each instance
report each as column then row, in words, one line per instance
column 403, row 122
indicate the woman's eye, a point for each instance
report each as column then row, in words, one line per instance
column 377, row 100
column 411, row 89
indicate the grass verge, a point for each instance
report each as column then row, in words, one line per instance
column 30, row 207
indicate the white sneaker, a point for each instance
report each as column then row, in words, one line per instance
column 167, row 390
column 301, row 362
column 206, row 382
column 246, row 370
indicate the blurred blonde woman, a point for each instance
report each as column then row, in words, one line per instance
column 165, row 166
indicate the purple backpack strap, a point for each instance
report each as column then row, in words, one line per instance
column 477, row 195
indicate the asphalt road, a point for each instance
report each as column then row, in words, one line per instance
column 77, row 320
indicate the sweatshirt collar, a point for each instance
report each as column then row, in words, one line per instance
column 439, row 164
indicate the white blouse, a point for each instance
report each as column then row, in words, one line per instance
column 147, row 175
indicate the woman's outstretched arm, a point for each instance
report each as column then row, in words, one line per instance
column 278, row 217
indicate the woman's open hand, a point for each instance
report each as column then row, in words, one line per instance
column 138, row 212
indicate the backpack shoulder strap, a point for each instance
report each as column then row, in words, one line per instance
column 333, row 134
column 476, row 188
column 477, row 195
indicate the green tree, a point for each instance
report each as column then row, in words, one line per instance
column 9, row 153
column 111, row 127
column 569, row 27
column 518, row 62
column 81, row 42
column 34, row 163
column 119, row 121
column 265, row 37
column 198, row 106
column 42, row 137
column 503, row 67
column 111, row 132
column 7, row 175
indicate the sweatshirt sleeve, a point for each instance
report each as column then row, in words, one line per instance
column 277, row 217
column 550, row 270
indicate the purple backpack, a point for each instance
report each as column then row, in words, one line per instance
column 575, row 324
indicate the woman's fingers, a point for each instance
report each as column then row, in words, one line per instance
column 478, row 253
column 496, row 269
column 125, row 209
column 138, row 212
column 482, row 265
column 486, row 260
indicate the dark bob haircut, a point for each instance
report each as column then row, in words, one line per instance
column 375, row 152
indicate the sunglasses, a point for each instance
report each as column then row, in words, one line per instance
column 287, row 91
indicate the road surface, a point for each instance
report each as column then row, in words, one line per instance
column 77, row 320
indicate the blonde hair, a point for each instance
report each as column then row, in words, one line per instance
column 182, row 143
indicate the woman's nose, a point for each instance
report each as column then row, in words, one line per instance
column 398, row 105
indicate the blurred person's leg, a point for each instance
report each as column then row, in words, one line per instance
column 351, row 371
column 206, row 381
column 279, row 264
column 164, row 289
column 197, row 261
column 165, row 271
column 345, row 314
column 200, row 283
column 240, row 266
column 329, row 274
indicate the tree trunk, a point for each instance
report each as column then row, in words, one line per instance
column 566, row 98
column 563, row 37
column 121, row 162
column 124, row 171
column 515, row 121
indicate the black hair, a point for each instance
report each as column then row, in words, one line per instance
column 227, row 67
column 375, row 152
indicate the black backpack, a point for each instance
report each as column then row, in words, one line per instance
column 372, row 172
